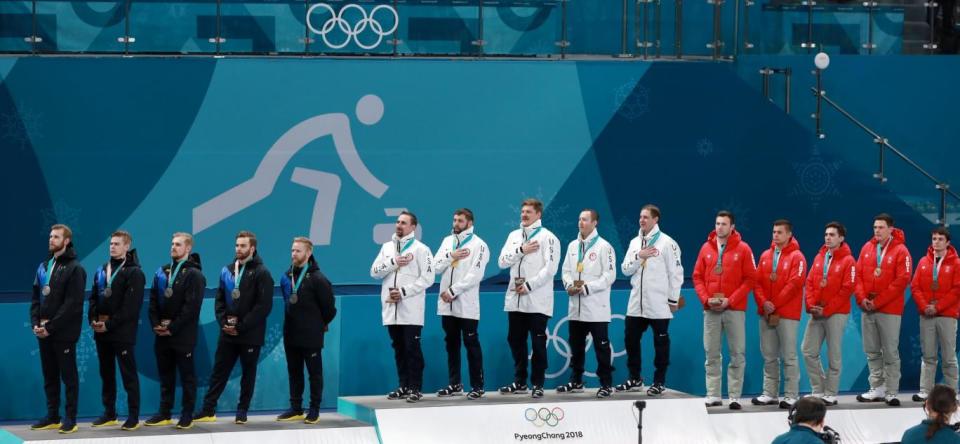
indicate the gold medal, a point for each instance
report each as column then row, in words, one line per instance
column 877, row 272
column 579, row 267
column 455, row 263
column 643, row 263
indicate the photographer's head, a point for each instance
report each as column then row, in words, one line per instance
column 940, row 406
column 810, row 412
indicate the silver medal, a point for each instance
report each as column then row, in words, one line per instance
column 293, row 298
column 107, row 292
column 168, row 292
column 235, row 294
column 46, row 290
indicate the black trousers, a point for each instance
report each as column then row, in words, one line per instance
column 109, row 353
column 456, row 328
column 223, row 362
column 297, row 358
column 520, row 325
column 170, row 361
column 578, row 331
column 405, row 340
column 59, row 363
column 635, row 327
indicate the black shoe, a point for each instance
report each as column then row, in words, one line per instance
column 186, row 421
column 656, row 389
column 105, row 420
column 893, row 401
column 313, row 416
column 291, row 415
column 604, row 392
column 514, row 388
column 68, row 426
column 47, row 423
column 571, row 387
column 158, row 420
column 132, row 423
column 537, row 392
column 631, row 385
column 241, row 417
column 399, row 393
column 205, row 416
column 475, row 394
column 451, row 390
column 414, row 396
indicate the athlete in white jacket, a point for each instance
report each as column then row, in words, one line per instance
column 653, row 264
column 532, row 254
column 460, row 262
column 589, row 270
column 406, row 267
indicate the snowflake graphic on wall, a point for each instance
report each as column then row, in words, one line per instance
column 740, row 212
column 705, row 147
column 816, row 178
column 60, row 213
column 631, row 100
column 19, row 128
column 555, row 216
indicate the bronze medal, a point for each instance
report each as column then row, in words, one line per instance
column 718, row 269
column 877, row 272
column 823, row 283
column 773, row 276
column 935, row 286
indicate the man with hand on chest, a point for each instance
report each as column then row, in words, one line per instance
column 405, row 265
column 114, row 314
column 532, row 255
column 461, row 262
column 243, row 302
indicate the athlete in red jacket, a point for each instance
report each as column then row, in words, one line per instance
column 779, row 296
column 829, row 286
column 935, row 290
column 883, row 272
column 723, row 277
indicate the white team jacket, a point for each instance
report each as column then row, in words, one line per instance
column 463, row 281
column 538, row 268
column 412, row 280
column 659, row 282
column 599, row 273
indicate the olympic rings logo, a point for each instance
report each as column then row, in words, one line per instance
column 544, row 416
column 562, row 347
column 353, row 32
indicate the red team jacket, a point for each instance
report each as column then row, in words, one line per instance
column 841, row 281
column 738, row 272
column 948, row 280
column 894, row 274
column 786, row 292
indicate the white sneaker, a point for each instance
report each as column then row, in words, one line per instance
column 712, row 401
column 764, row 400
column 734, row 403
column 829, row 400
column 921, row 396
column 787, row 402
column 814, row 395
column 874, row 395
column 892, row 400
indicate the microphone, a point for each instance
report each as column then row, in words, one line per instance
column 640, row 405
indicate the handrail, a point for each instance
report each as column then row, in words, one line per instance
column 883, row 142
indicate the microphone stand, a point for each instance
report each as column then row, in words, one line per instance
column 640, row 405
